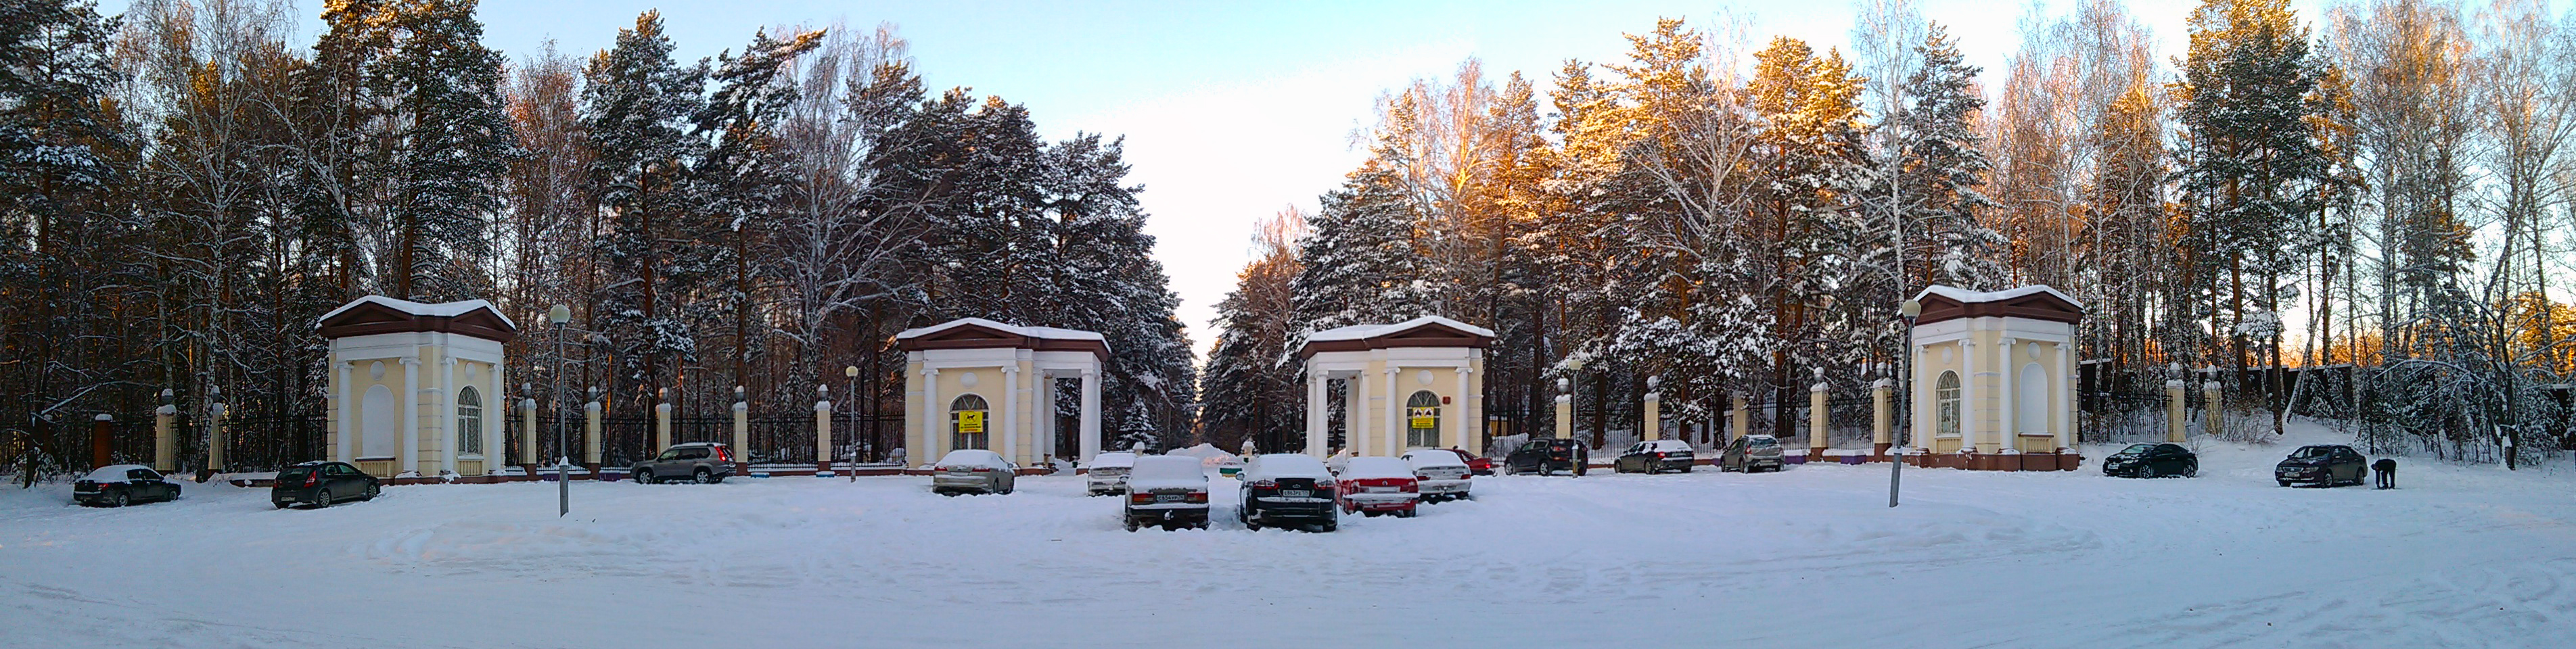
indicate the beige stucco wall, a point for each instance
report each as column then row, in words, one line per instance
column 1983, row 400
column 434, row 411
column 1460, row 418
column 929, row 433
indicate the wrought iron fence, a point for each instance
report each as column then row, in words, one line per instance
column 268, row 443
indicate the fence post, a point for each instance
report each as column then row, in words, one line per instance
column 1739, row 422
column 165, row 438
column 1882, row 424
column 1565, row 416
column 1816, row 419
column 102, row 430
column 528, row 440
column 661, row 427
column 215, row 438
column 823, row 438
column 590, row 437
column 2209, row 394
column 2173, row 411
column 741, row 435
column 1654, row 423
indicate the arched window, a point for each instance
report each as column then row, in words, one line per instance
column 469, row 421
column 1945, row 397
column 1422, row 420
column 966, row 422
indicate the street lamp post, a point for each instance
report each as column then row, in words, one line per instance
column 563, row 451
column 1904, row 401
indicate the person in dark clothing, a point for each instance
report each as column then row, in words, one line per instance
column 2386, row 469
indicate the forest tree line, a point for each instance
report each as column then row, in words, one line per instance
column 187, row 191
column 2386, row 187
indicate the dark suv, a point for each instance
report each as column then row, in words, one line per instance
column 1289, row 488
column 1548, row 455
column 321, row 484
column 702, row 462
column 2325, row 465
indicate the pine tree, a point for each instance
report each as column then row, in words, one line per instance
column 636, row 110
column 1944, row 164
column 455, row 148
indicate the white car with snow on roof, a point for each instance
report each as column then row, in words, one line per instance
column 1108, row 472
column 1170, row 491
column 969, row 470
column 1441, row 474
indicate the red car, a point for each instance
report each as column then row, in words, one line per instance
column 1476, row 465
column 1379, row 485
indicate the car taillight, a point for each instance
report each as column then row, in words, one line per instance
column 1412, row 487
column 1139, row 497
column 1198, row 497
column 1323, row 484
column 1263, row 484
column 724, row 455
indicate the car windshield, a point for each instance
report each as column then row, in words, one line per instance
column 2138, row 449
column 2312, row 452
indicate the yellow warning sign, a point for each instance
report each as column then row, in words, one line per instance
column 970, row 421
column 1426, row 418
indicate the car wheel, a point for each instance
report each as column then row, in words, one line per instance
column 1686, row 468
column 1407, row 513
column 1131, row 525
column 322, row 500
column 280, row 505
column 2147, row 471
column 644, row 476
column 703, row 476
column 2285, row 483
column 120, row 500
column 2191, row 470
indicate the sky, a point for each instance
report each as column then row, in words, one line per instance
column 1233, row 111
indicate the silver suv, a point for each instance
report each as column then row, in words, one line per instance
column 699, row 462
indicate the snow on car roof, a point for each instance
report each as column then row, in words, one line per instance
column 1113, row 458
column 1361, row 332
column 1673, row 444
column 1423, row 457
column 1287, row 465
column 1166, row 467
column 112, row 472
column 1377, row 467
column 972, row 457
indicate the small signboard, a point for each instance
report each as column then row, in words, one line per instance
column 1426, row 418
column 970, row 421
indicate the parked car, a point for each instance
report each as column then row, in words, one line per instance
column 322, row 484
column 1548, row 455
column 1476, row 464
column 702, row 462
column 973, row 470
column 1288, row 488
column 1656, row 456
column 1167, row 490
column 2152, row 461
column 1441, row 473
column 1108, row 472
column 1750, row 453
column 118, row 485
column 2329, row 465
column 1378, row 484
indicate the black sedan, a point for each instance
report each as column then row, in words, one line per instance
column 1547, row 455
column 322, row 483
column 2327, row 465
column 119, row 485
column 2152, row 461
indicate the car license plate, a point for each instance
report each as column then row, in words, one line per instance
column 1382, row 490
column 1294, row 493
column 1170, row 498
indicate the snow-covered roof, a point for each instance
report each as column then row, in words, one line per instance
column 1965, row 296
column 1285, row 465
column 1377, row 466
column 1428, row 457
column 974, row 457
column 111, row 473
column 1363, row 332
column 1052, row 333
column 442, row 309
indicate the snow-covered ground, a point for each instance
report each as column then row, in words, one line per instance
column 2459, row 557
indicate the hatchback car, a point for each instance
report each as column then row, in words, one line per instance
column 970, row 470
column 1656, row 456
column 700, row 462
column 2152, row 461
column 118, row 485
column 1548, row 455
column 1288, row 489
column 1108, row 472
column 1167, row 490
column 1377, row 485
column 322, row 484
column 2327, row 465
column 1751, row 453
column 1440, row 473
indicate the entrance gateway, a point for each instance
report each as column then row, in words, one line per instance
column 1413, row 384
column 976, row 383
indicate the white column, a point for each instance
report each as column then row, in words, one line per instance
column 1317, row 420
column 934, row 421
column 1458, row 429
column 447, row 414
column 1354, row 410
column 2065, row 410
column 1011, row 413
column 494, row 420
column 528, row 422
column 1394, row 413
column 1090, row 414
column 1045, row 402
column 407, row 459
column 2007, row 426
column 348, row 422
column 1968, row 406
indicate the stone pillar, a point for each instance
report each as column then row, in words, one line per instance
column 1461, row 427
column 2209, row 395
column 741, row 437
column 407, row 459
column 1739, row 422
column 215, row 437
column 823, row 438
column 444, row 412
column 1565, row 416
column 1394, row 413
column 2006, row 435
column 2064, row 413
column 102, row 440
column 345, row 427
column 1010, row 414
column 1969, row 407
column 1354, row 411
column 528, row 441
column 1317, row 417
column 2174, row 411
column 661, row 426
column 590, row 437
column 1882, row 422
column 934, row 420
column 1816, row 421
column 1090, row 414
column 165, row 438
column 1654, row 420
